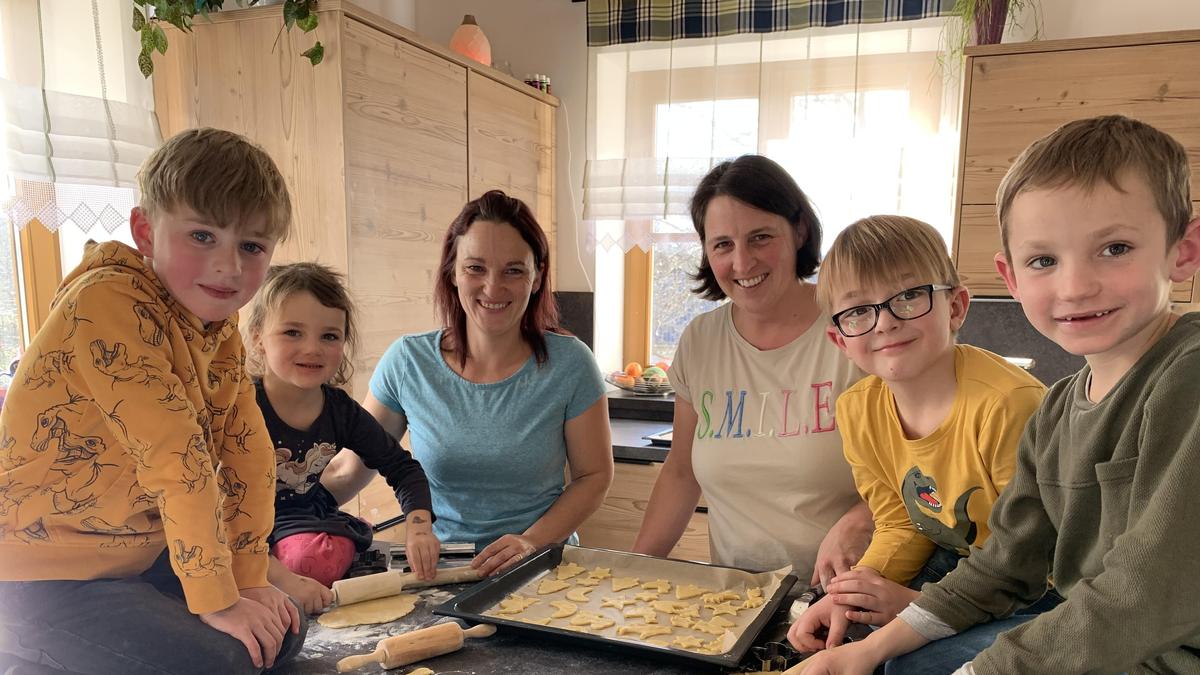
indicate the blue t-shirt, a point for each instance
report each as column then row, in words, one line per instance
column 494, row 453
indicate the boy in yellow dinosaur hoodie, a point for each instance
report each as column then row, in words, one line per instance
column 137, row 479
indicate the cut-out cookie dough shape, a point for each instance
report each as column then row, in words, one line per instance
column 708, row 627
column 549, row 586
column 658, row 585
column 752, row 602
column 721, row 622
column 690, row 610
column 421, row 671
column 646, row 596
column 669, row 606
column 381, row 610
column 646, row 614
column 544, row 621
column 754, row 592
column 600, row 573
column 687, row 642
column 725, row 608
column 714, row 646
column 563, row 609
column 682, row 621
column 579, row 594
column 569, row 570
column 720, row 597
column 622, row 583
column 686, row 591
column 515, row 604
column 587, row 581
column 644, row 632
column 618, row 602
column 658, row 642
column 593, row 621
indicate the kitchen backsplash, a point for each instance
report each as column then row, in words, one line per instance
column 575, row 314
column 1001, row 327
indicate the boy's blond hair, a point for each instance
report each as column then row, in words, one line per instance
column 283, row 281
column 1085, row 152
column 221, row 176
column 878, row 251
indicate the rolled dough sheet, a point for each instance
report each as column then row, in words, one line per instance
column 380, row 610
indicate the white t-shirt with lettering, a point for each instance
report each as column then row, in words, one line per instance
column 767, row 452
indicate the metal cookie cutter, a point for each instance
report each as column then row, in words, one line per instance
column 773, row 657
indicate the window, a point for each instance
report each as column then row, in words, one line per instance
column 861, row 116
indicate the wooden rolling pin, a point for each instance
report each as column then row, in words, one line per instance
column 426, row 643
column 371, row 586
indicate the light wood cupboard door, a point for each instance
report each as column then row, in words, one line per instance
column 224, row 74
column 615, row 524
column 406, row 179
column 979, row 241
column 1018, row 98
column 511, row 148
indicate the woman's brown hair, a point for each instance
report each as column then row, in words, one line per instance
column 541, row 314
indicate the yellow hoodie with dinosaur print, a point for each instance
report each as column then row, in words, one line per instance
column 131, row 426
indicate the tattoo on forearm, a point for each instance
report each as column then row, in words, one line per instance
column 419, row 520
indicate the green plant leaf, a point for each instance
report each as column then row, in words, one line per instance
column 145, row 64
column 139, row 19
column 291, row 13
column 160, row 40
column 147, row 38
column 308, row 23
column 315, row 53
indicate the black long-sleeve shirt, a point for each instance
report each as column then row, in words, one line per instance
column 302, row 504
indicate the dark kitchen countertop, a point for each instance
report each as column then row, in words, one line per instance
column 628, row 405
column 628, row 444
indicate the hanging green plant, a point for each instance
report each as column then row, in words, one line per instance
column 984, row 22
column 181, row 13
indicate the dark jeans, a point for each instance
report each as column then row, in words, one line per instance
column 942, row 562
column 133, row 626
column 946, row 655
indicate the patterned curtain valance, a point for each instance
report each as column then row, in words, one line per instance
column 613, row 22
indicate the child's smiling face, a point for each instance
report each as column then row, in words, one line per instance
column 1092, row 267
column 897, row 350
column 303, row 342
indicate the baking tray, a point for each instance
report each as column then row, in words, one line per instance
column 472, row 603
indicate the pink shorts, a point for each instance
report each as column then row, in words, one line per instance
column 316, row 555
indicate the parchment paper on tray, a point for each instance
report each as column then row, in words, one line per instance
column 673, row 604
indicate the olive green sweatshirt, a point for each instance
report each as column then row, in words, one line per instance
column 131, row 426
column 1106, row 498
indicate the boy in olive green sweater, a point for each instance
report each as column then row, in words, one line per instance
column 1097, row 224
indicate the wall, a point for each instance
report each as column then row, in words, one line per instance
column 1063, row 19
column 548, row 37
column 402, row 12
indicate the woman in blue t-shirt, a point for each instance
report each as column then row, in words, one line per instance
column 497, row 404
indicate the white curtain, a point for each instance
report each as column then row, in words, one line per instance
column 861, row 116
column 78, row 117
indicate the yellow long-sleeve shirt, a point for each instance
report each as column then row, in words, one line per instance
column 936, row 490
column 131, row 426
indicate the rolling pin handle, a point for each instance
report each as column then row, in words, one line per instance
column 359, row 660
column 481, row 631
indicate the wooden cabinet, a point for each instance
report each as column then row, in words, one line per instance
column 1017, row 93
column 380, row 144
column 616, row 523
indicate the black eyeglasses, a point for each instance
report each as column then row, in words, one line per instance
column 909, row 304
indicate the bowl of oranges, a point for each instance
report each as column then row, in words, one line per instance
column 644, row 381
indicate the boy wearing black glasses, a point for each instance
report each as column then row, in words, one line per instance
column 931, row 434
